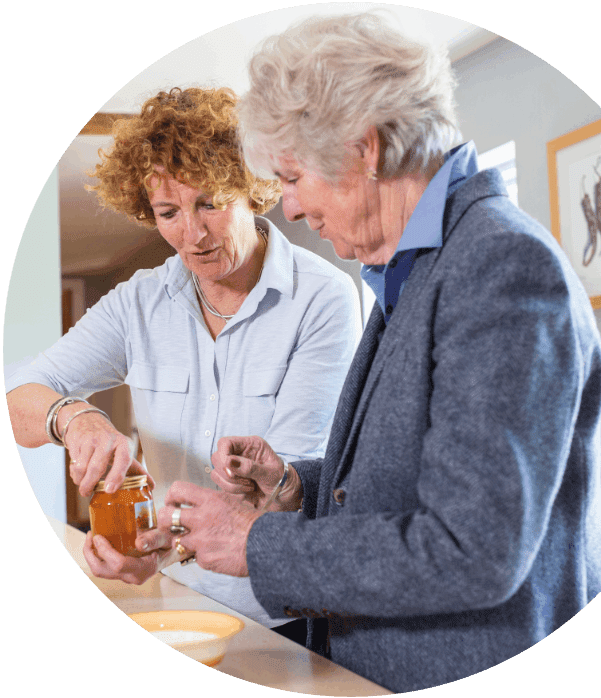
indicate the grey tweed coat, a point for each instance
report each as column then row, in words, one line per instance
column 454, row 520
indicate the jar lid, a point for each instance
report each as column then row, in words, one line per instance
column 128, row 484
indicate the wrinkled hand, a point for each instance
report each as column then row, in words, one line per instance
column 96, row 446
column 218, row 526
column 108, row 563
column 247, row 466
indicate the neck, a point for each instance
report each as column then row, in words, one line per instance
column 397, row 200
column 227, row 295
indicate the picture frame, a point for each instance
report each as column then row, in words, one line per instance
column 574, row 164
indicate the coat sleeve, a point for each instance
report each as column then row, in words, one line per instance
column 508, row 359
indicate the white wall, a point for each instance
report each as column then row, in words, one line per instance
column 32, row 323
column 507, row 93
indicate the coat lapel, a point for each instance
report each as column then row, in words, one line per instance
column 372, row 354
column 347, row 403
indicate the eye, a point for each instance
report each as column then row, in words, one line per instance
column 167, row 214
column 207, row 206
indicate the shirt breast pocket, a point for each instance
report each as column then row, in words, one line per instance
column 159, row 394
column 260, row 392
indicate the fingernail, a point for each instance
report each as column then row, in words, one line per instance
column 110, row 488
column 229, row 472
column 145, row 546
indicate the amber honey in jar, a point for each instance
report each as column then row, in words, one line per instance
column 120, row 515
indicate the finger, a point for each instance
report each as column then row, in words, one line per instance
column 111, row 564
column 80, row 458
column 189, row 518
column 89, row 552
column 122, row 459
column 233, row 467
column 137, row 467
column 94, row 550
column 186, row 493
column 97, row 466
column 153, row 540
column 165, row 519
column 228, row 445
column 233, row 485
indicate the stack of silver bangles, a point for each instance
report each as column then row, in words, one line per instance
column 52, row 417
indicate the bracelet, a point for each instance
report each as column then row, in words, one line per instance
column 278, row 487
column 49, row 417
column 58, row 408
column 72, row 417
column 52, row 415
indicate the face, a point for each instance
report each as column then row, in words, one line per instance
column 212, row 243
column 346, row 213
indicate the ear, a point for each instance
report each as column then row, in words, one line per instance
column 369, row 149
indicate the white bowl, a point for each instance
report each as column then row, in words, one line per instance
column 209, row 650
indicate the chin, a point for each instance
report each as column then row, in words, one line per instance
column 345, row 253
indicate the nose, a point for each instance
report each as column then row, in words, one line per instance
column 291, row 207
column 193, row 229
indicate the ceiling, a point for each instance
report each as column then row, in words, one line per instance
column 92, row 239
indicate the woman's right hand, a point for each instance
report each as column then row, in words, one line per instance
column 95, row 446
column 248, row 466
column 108, row 563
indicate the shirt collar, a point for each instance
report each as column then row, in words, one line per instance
column 424, row 228
column 278, row 265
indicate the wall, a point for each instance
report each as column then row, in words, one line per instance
column 32, row 323
column 507, row 93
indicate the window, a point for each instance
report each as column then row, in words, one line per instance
column 503, row 158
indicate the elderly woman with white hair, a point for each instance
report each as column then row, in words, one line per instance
column 453, row 521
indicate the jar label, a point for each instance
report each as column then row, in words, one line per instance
column 145, row 515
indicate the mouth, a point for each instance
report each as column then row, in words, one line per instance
column 204, row 253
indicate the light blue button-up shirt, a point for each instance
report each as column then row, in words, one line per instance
column 424, row 228
column 275, row 370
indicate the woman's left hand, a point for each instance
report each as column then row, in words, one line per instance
column 218, row 526
column 108, row 563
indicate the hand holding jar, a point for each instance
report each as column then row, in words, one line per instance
column 108, row 563
column 112, row 548
column 96, row 447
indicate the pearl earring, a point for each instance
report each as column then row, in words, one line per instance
column 371, row 174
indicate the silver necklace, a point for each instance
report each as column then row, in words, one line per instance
column 201, row 295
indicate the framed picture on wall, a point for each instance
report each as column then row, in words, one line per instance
column 574, row 162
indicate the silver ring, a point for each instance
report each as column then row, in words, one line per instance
column 176, row 524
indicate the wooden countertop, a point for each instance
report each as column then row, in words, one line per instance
column 256, row 654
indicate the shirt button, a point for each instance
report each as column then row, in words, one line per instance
column 212, row 398
column 207, row 433
column 207, row 469
column 389, row 309
column 392, row 264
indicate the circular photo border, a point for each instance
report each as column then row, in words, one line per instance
column 62, row 64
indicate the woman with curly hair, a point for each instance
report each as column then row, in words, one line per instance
column 239, row 332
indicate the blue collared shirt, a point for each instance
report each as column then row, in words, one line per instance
column 423, row 230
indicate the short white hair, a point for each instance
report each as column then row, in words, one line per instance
column 322, row 83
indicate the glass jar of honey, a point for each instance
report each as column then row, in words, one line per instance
column 120, row 515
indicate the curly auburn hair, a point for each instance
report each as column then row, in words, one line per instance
column 189, row 133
